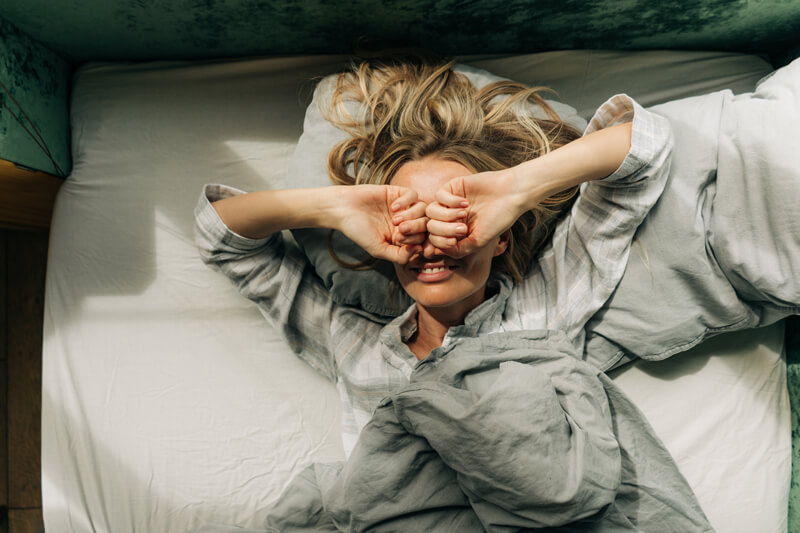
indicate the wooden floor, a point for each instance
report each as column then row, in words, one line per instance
column 23, row 257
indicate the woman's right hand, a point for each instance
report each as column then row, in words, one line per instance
column 387, row 221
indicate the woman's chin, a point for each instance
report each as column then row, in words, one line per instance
column 434, row 302
column 433, row 297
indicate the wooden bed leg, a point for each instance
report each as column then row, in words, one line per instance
column 23, row 257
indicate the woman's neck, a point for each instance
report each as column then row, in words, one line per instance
column 433, row 324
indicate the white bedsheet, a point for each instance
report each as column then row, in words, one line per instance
column 167, row 400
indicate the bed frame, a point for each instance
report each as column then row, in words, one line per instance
column 26, row 197
column 41, row 44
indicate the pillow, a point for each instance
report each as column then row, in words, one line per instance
column 368, row 289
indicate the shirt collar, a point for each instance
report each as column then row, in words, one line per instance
column 484, row 317
column 393, row 337
column 488, row 314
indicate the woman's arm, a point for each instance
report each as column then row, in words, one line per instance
column 574, row 274
column 588, row 158
column 272, row 274
column 239, row 235
column 497, row 199
column 259, row 214
column 364, row 214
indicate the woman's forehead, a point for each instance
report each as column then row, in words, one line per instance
column 427, row 175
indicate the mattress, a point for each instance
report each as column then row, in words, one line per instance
column 168, row 402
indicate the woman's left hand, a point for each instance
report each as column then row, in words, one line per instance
column 472, row 210
column 387, row 221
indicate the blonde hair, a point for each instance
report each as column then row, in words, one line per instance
column 405, row 110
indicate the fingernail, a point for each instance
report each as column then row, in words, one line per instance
column 396, row 220
column 462, row 214
column 461, row 230
column 464, row 203
column 395, row 206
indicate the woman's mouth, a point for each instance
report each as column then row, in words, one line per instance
column 431, row 274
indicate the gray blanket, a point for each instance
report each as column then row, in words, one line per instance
column 720, row 251
column 505, row 432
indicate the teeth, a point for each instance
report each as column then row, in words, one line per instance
column 432, row 270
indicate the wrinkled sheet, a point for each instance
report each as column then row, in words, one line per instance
column 503, row 432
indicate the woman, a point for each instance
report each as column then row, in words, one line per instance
column 467, row 195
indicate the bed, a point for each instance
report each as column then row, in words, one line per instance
column 169, row 403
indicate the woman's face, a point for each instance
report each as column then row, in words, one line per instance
column 439, row 281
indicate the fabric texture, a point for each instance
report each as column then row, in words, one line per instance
column 367, row 359
column 504, row 432
column 720, row 251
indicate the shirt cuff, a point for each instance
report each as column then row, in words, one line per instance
column 650, row 136
column 210, row 226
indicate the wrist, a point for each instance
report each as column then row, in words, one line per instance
column 330, row 211
column 530, row 185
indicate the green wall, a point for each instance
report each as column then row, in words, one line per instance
column 793, row 378
column 38, row 80
column 147, row 29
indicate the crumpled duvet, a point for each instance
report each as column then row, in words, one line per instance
column 503, row 432
column 720, row 251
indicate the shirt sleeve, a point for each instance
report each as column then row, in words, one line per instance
column 274, row 275
column 574, row 275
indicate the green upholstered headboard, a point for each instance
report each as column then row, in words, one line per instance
column 793, row 378
column 147, row 29
column 34, row 80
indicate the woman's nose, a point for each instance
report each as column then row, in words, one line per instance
column 428, row 249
